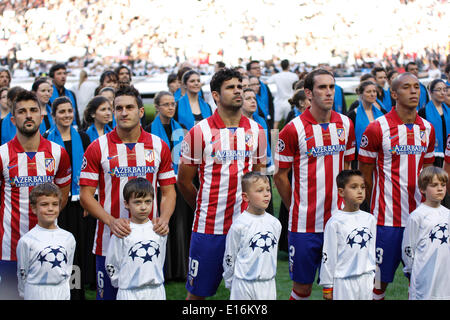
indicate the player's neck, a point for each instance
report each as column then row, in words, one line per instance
column 47, row 225
column 407, row 115
column 29, row 144
column 351, row 207
column 129, row 136
column 230, row 117
column 255, row 211
column 321, row 115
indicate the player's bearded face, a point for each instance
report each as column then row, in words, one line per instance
column 231, row 94
column 27, row 117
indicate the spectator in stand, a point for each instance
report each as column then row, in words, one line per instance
column 438, row 113
column 124, row 75
column 191, row 108
column 58, row 73
column 434, row 72
column 181, row 89
column 4, row 102
column 84, row 91
column 5, row 77
column 108, row 78
column 447, row 74
column 172, row 83
column 283, row 81
column 97, row 117
column 43, row 90
column 263, row 94
column 7, row 127
column 381, row 78
column 391, row 77
column 423, row 99
column 365, row 77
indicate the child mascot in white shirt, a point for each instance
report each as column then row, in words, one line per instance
column 426, row 243
column 250, row 259
column 45, row 253
column 135, row 263
column 348, row 264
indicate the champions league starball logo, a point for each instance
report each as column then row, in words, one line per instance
column 263, row 240
column 439, row 233
column 145, row 250
column 359, row 236
column 56, row 256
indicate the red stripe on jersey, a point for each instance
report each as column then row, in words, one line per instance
column 296, row 191
column 312, row 187
column 412, row 174
column 395, row 176
column 15, row 207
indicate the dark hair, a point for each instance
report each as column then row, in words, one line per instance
column 38, row 82
column 300, row 84
column 188, row 74
column 92, row 107
column 108, row 74
column 365, row 77
column 23, row 95
column 171, row 78
column 363, row 85
column 161, row 94
column 299, row 95
column 45, row 189
column 409, row 64
column 249, row 65
column 344, row 176
column 4, row 89
column 249, row 90
column 435, row 62
column 107, row 89
column 130, row 91
column 223, row 75
column 55, row 68
column 391, row 74
column 447, row 68
column 377, row 69
column 433, row 84
column 57, row 102
column 220, row 64
column 181, row 72
column 285, row 64
column 138, row 188
column 251, row 177
column 117, row 70
column 309, row 80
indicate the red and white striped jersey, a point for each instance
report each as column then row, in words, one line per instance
column 109, row 163
column 223, row 155
column 447, row 150
column 20, row 172
column 399, row 152
column 316, row 153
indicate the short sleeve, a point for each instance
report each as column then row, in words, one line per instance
column 90, row 167
column 64, row 173
column 429, row 156
column 166, row 175
column 370, row 143
column 192, row 147
column 287, row 146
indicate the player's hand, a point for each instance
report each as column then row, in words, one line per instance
column 120, row 227
column 328, row 296
column 160, row 226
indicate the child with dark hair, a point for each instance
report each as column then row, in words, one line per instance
column 135, row 262
column 348, row 256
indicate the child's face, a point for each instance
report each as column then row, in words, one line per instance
column 139, row 208
column 47, row 210
column 435, row 190
column 258, row 195
column 354, row 191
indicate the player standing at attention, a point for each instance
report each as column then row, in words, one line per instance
column 250, row 259
column 25, row 162
column 221, row 148
column 348, row 259
column 45, row 253
column 394, row 148
column 316, row 146
column 426, row 241
column 109, row 162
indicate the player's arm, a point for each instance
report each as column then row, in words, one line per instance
column 409, row 244
column 367, row 172
column 329, row 259
column 65, row 195
column 22, row 265
column 186, row 175
column 232, row 246
column 281, row 179
column 119, row 227
column 166, row 208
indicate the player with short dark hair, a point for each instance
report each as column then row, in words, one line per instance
column 109, row 162
column 220, row 149
column 316, row 146
column 413, row 68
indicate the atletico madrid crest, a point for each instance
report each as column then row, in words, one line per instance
column 50, row 164
column 341, row 134
column 149, row 155
column 249, row 140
